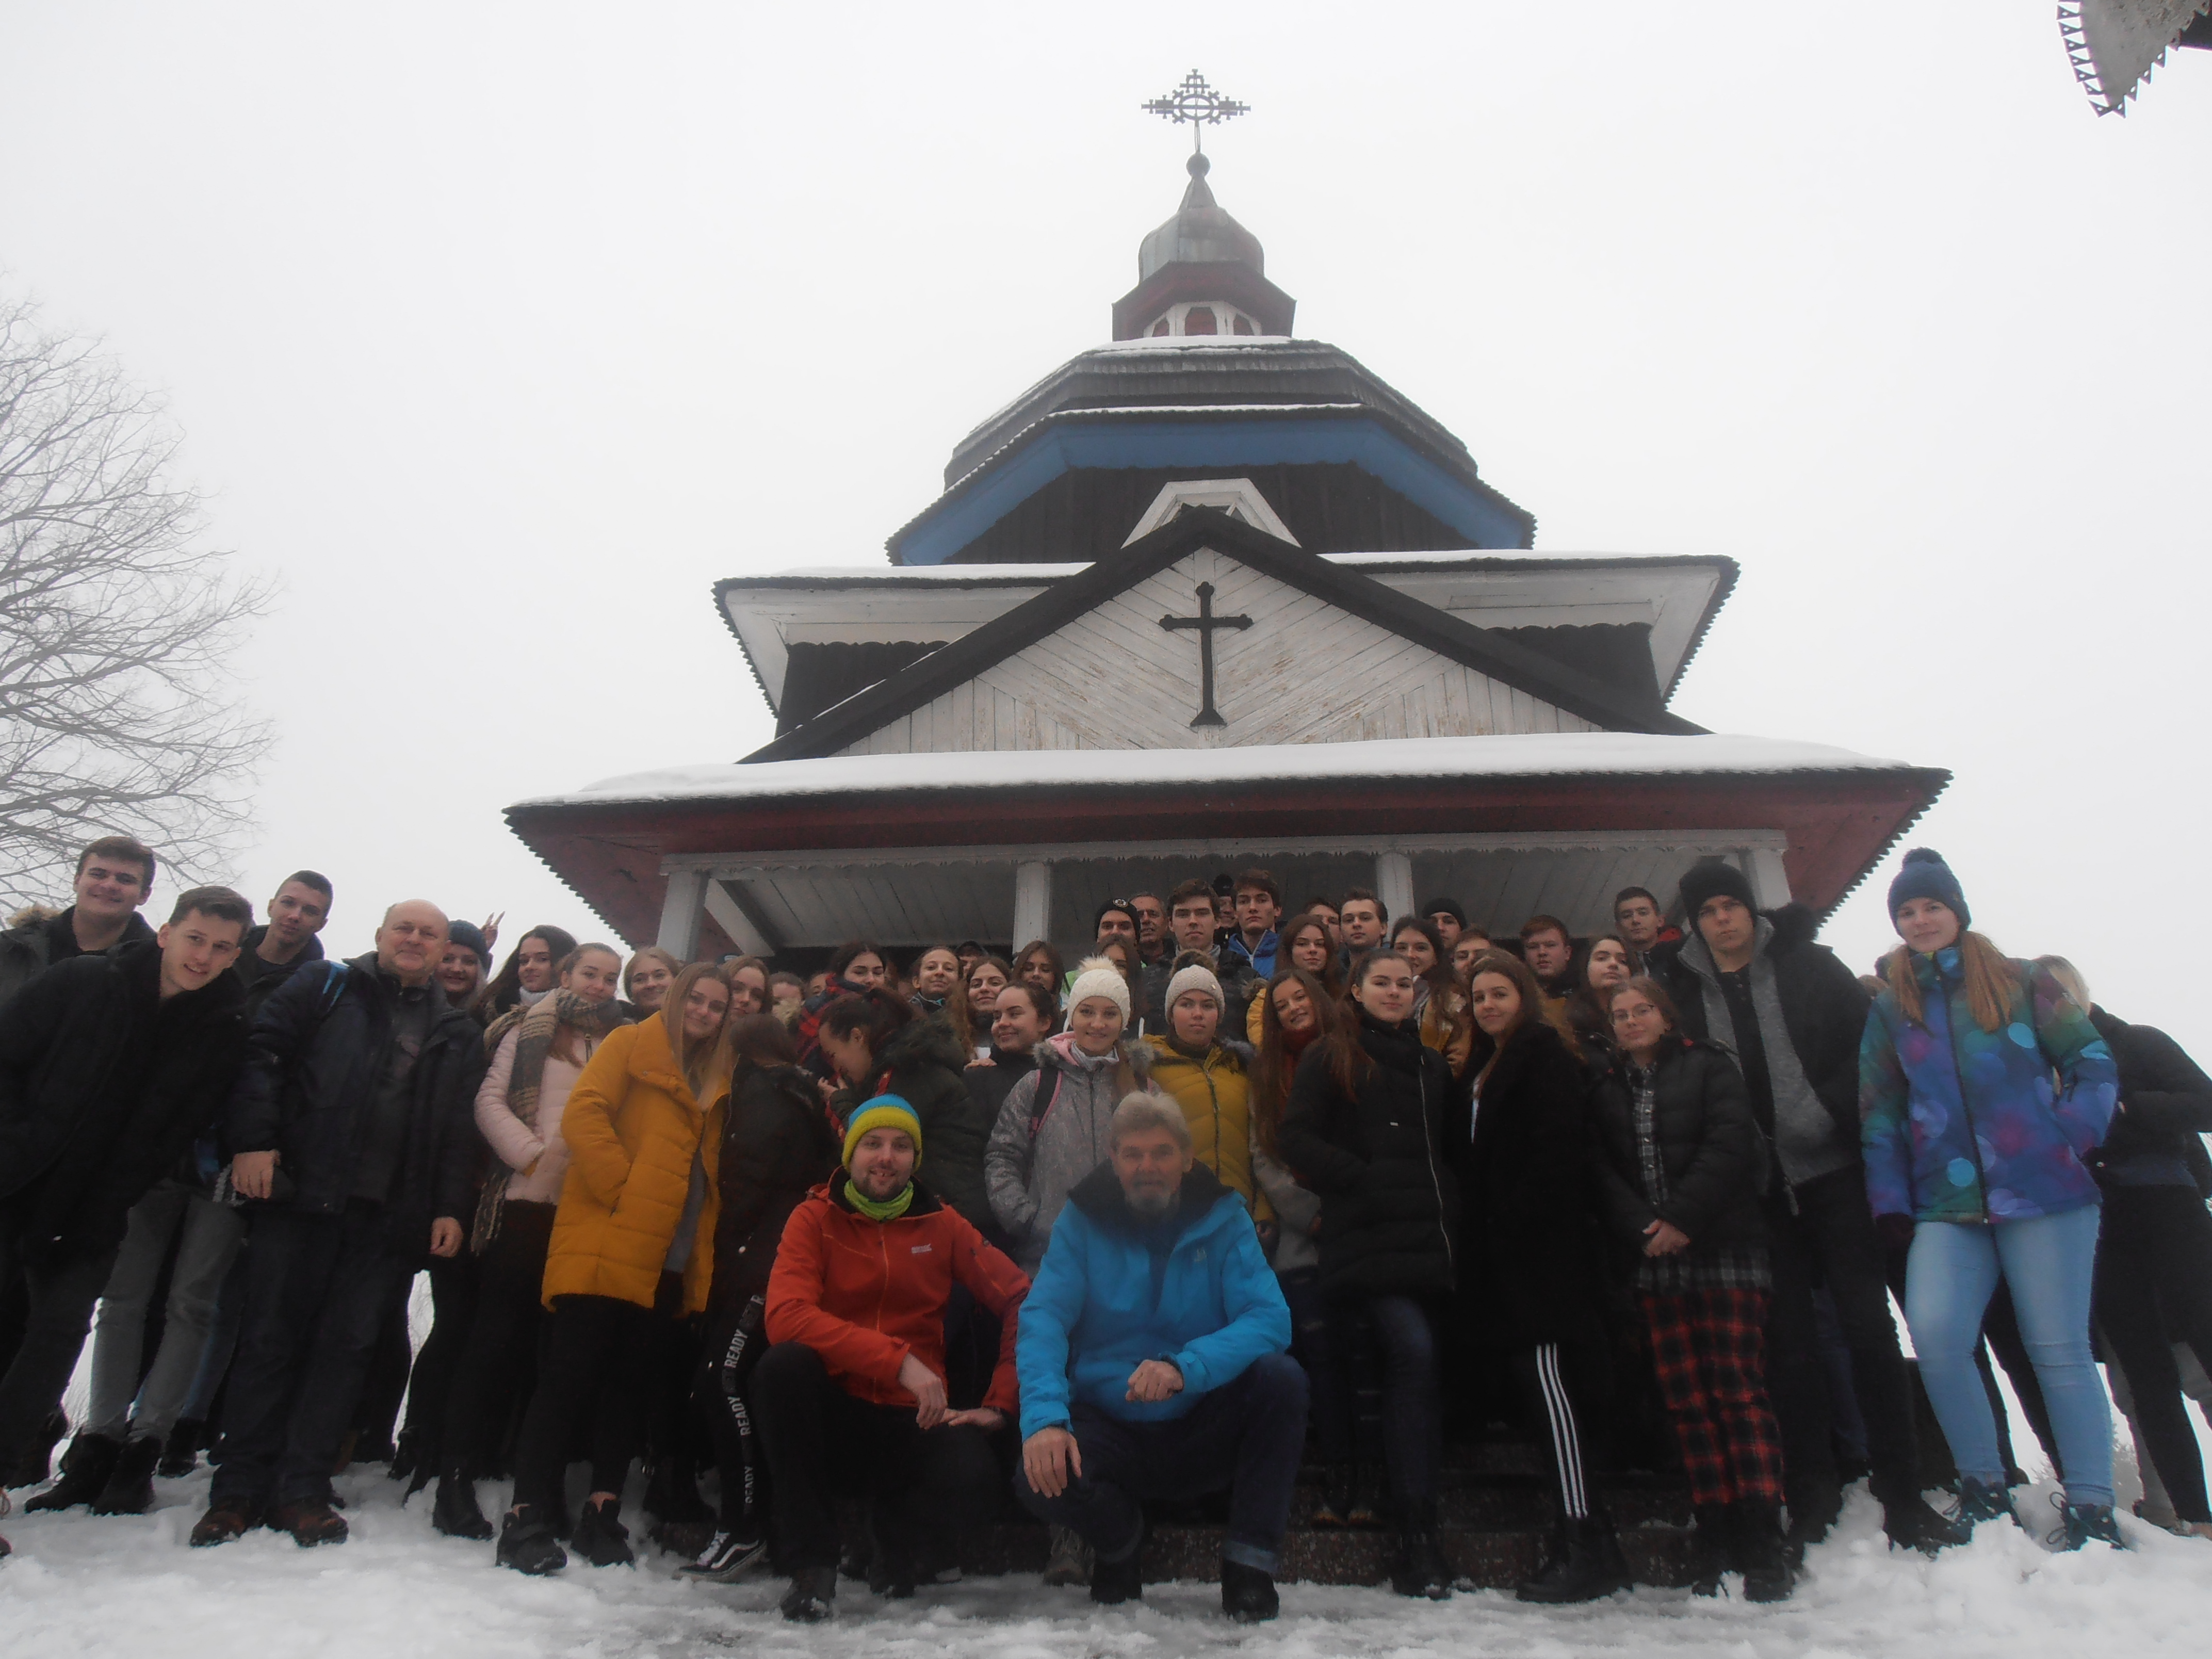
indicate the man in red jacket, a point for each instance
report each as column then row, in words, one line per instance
column 851, row 1396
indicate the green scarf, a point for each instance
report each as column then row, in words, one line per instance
column 889, row 1210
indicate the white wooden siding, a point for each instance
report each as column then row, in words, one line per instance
column 1306, row 671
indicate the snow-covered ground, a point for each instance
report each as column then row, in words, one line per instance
column 81, row 1588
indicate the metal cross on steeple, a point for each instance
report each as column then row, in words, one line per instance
column 1196, row 102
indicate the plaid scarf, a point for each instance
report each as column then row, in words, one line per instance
column 534, row 1028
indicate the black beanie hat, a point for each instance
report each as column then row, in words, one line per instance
column 1444, row 907
column 1925, row 876
column 470, row 937
column 1711, row 878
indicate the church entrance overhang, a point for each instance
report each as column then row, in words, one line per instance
column 790, row 855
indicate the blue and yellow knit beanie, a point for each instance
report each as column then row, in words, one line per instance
column 883, row 1112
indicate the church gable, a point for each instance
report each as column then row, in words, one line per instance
column 1289, row 667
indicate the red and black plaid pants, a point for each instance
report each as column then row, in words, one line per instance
column 1706, row 1348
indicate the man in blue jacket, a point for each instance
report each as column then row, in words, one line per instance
column 1154, row 1364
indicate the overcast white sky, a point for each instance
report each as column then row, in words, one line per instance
column 500, row 332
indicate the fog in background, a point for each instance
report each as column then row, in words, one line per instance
column 500, row 332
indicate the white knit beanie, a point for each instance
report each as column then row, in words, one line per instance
column 1196, row 977
column 1097, row 976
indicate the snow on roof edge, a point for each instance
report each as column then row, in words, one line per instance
column 1618, row 754
column 1015, row 574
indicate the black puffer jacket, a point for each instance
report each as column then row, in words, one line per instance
column 1709, row 1147
column 2166, row 1100
column 1389, row 1205
column 1823, row 1005
column 319, row 1049
column 1531, row 1248
column 990, row 1084
column 28, row 949
column 102, row 1087
column 778, row 1145
column 925, row 1065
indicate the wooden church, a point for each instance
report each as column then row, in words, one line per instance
column 1205, row 596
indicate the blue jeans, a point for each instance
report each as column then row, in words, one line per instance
column 2049, row 1264
column 1324, row 1350
column 1412, row 1411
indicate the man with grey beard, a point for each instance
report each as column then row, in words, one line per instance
column 1181, row 1383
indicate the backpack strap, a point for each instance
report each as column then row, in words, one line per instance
column 334, row 984
column 1041, row 1102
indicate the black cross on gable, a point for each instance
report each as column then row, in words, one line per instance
column 1205, row 623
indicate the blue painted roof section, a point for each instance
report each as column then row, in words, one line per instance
column 1116, row 441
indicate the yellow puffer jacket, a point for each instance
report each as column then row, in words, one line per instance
column 632, row 1129
column 1214, row 1094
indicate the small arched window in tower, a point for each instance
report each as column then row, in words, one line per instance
column 1198, row 319
column 1243, row 324
column 1159, row 328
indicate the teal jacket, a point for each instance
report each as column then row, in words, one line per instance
column 1960, row 1124
column 1113, row 1292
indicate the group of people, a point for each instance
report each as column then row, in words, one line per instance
column 1185, row 1207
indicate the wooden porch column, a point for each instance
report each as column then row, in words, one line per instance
column 1770, row 881
column 680, row 912
column 1394, row 883
column 1032, row 902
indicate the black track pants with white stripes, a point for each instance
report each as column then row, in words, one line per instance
column 1568, row 1418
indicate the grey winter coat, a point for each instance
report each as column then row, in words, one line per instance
column 1031, row 1169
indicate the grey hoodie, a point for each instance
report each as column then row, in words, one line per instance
column 1030, row 1176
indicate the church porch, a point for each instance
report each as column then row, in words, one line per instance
column 790, row 858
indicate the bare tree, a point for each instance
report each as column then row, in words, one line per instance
column 119, row 710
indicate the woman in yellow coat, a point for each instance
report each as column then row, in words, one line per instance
column 1206, row 1073
column 634, row 1231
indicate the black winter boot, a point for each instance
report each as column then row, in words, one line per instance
column 891, row 1571
column 180, row 1454
column 1112, row 1582
column 90, row 1459
column 1712, row 1548
column 1978, row 1503
column 1912, row 1525
column 35, row 1457
column 129, row 1488
column 1763, row 1553
column 1814, row 1503
column 600, row 1537
column 812, row 1597
column 527, row 1543
column 2084, row 1524
column 1421, row 1569
column 455, row 1513
column 1586, row 1564
column 1248, row 1595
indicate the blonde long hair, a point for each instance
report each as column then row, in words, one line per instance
column 1991, row 981
column 700, row 1060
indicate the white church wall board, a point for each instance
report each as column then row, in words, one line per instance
column 1304, row 671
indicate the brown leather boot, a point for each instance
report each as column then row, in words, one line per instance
column 225, row 1520
column 310, row 1523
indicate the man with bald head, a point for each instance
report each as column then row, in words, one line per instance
column 353, row 1148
